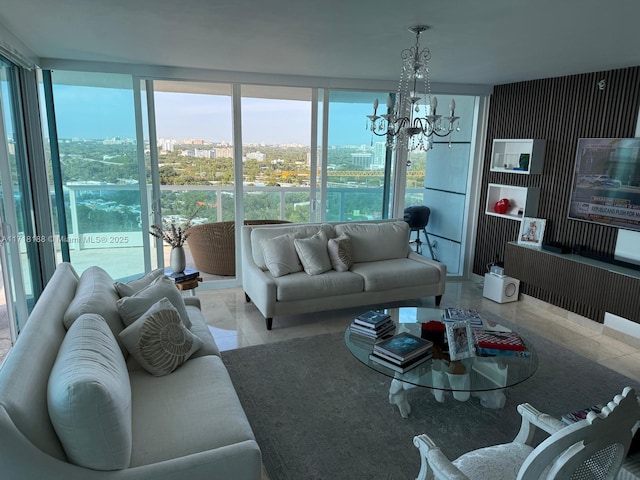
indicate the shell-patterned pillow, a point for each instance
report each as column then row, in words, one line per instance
column 158, row 340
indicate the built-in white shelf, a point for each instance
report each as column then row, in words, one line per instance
column 523, row 201
column 505, row 155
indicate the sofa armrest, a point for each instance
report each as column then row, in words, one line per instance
column 193, row 302
column 19, row 458
column 427, row 261
column 257, row 285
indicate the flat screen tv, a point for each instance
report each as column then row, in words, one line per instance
column 606, row 182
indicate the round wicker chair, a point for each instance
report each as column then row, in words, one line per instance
column 213, row 247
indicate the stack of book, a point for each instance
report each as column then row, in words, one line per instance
column 181, row 277
column 402, row 352
column 374, row 325
column 492, row 343
column 463, row 315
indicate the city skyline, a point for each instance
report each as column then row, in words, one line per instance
column 98, row 113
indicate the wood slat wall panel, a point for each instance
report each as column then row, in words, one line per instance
column 559, row 110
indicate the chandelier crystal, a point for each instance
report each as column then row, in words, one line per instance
column 411, row 118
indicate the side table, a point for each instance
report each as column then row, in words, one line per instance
column 189, row 285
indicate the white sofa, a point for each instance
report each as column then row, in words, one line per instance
column 185, row 424
column 384, row 269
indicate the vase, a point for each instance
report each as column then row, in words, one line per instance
column 501, row 206
column 177, row 260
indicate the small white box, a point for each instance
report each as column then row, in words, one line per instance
column 501, row 289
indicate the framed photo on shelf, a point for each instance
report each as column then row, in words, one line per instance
column 531, row 231
column 460, row 340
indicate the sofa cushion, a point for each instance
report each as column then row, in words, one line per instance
column 158, row 340
column 301, row 230
column 131, row 308
column 280, row 255
column 396, row 273
column 193, row 410
column 340, row 253
column 300, row 286
column 129, row 288
column 313, row 253
column 377, row 241
column 96, row 294
column 89, row 396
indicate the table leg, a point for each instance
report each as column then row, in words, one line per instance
column 493, row 399
column 398, row 396
column 438, row 379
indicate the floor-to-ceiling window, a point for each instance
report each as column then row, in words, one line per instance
column 99, row 190
column 358, row 162
column 297, row 154
column 193, row 122
column 276, row 153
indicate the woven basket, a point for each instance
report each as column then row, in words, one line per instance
column 213, row 247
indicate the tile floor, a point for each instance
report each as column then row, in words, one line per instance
column 235, row 324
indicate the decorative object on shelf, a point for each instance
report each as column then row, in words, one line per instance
column 502, row 206
column 460, row 340
column 531, row 231
column 411, row 121
column 524, row 156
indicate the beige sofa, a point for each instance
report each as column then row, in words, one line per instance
column 383, row 269
column 185, row 424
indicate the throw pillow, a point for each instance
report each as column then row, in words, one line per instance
column 340, row 253
column 280, row 255
column 89, row 396
column 95, row 294
column 313, row 253
column 159, row 341
column 373, row 242
column 131, row 287
column 131, row 308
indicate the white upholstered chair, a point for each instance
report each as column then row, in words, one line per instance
column 593, row 448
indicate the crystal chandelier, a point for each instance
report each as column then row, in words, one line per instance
column 411, row 120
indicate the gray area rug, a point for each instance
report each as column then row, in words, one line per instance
column 318, row 413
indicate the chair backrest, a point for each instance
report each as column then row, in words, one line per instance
column 593, row 448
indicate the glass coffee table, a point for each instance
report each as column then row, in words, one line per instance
column 482, row 377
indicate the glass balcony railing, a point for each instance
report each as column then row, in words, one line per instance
column 105, row 223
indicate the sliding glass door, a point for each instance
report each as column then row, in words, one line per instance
column 194, row 154
column 359, row 171
column 18, row 250
column 99, row 183
column 277, row 155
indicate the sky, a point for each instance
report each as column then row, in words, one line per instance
column 97, row 113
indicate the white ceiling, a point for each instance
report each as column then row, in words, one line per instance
column 472, row 41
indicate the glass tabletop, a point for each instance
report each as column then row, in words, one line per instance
column 485, row 373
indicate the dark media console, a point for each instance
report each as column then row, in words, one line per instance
column 583, row 252
column 588, row 286
column 556, row 247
